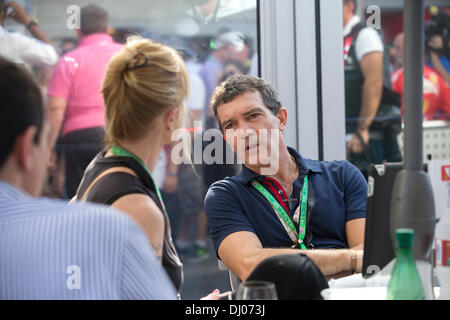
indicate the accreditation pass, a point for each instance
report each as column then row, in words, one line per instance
column 234, row 310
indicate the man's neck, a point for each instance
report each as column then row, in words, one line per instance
column 15, row 179
column 287, row 168
column 287, row 172
column 353, row 21
column 347, row 21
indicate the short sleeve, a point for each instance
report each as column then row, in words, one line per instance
column 355, row 193
column 143, row 277
column 368, row 40
column 60, row 83
column 33, row 51
column 224, row 213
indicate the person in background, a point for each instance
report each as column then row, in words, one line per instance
column 53, row 188
column 144, row 89
column 299, row 204
column 367, row 92
column 21, row 49
column 395, row 53
column 68, row 44
column 75, row 100
column 245, row 55
column 437, row 42
column 232, row 68
column 440, row 63
column 192, row 228
column 436, row 93
column 225, row 46
column 50, row 250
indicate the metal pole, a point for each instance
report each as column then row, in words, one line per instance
column 412, row 203
column 413, row 26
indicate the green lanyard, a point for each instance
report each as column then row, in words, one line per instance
column 118, row 151
column 300, row 236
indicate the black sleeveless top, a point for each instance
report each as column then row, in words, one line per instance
column 118, row 184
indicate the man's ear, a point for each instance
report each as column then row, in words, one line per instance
column 110, row 30
column 80, row 36
column 23, row 149
column 282, row 116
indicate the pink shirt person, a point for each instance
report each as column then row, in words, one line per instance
column 78, row 78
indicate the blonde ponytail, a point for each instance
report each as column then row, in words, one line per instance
column 142, row 81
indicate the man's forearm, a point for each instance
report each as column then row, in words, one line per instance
column 329, row 261
column 37, row 32
column 371, row 98
column 56, row 118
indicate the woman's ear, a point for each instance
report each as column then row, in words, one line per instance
column 170, row 118
column 282, row 116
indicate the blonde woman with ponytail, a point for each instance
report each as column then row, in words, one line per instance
column 145, row 87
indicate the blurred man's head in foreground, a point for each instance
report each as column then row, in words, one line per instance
column 24, row 131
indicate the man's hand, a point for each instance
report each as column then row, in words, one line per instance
column 436, row 42
column 355, row 145
column 216, row 295
column 19, row 13
column 359, row 265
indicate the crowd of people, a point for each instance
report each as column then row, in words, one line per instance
column 374, row 88
column 99, row 118
column 85, row 85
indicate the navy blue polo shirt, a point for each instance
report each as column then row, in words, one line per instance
column 340, row 190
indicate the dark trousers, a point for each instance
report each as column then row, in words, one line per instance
column 79, row 148
column 377, row 152
column 386, row 149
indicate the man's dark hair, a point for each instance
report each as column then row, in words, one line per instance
column 21, row 106
column 93, row 20
column 240, row 84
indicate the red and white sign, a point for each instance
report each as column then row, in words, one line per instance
column 442, row 253
column 439, row 172
column 445, row 173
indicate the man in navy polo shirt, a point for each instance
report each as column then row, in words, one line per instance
column 304, row 204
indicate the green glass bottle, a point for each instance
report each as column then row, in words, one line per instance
column 405, row 282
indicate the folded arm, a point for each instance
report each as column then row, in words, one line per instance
column 242, row 252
